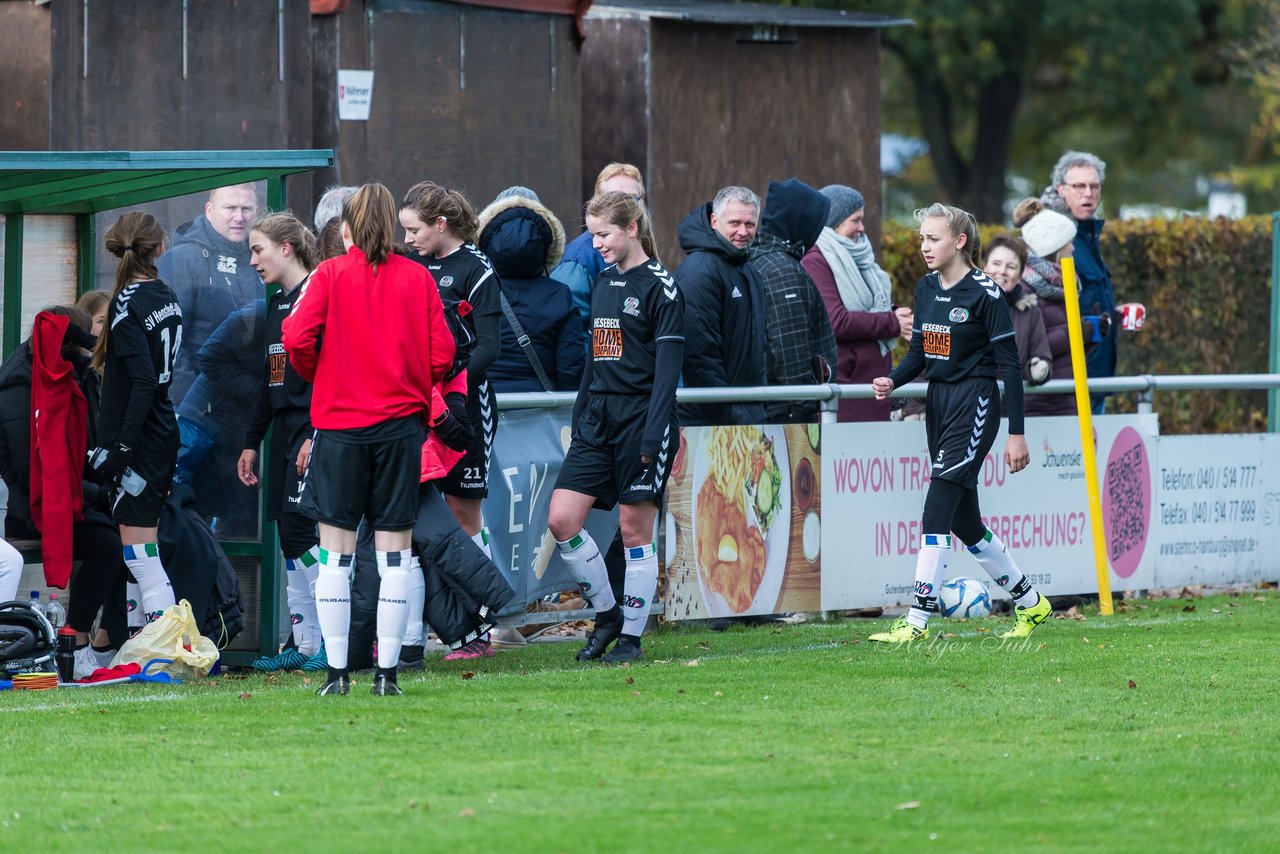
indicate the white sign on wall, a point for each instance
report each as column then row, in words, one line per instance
column 1217, row 522
column 874, row 481
column 355, row 93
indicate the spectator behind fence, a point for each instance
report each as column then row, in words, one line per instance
column 724, row 305
column 1075, row 189
column 330, row 206
column 1006, row 259
column 1049, row 236
column 525, row 240
column 582, row 263
column 801, row 349
column 857, row 294
column 208, row 268
column 98, row 581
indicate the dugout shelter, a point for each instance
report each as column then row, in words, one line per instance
column 53, row 205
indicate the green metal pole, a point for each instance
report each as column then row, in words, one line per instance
column 1273, row 404
column 268, row 552
column 86, row 254
column 12, row 282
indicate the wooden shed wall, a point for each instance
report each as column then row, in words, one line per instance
column 615, row 98
column 721, row 111
column 117, row 80
column 474, row 99
column 24, row 68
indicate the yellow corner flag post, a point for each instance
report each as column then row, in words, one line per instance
column 1085, row 408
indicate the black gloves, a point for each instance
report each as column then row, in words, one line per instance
column 453, row 427
column 109, row 463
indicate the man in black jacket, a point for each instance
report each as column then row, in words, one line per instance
column 724, row 306
column 801, row 346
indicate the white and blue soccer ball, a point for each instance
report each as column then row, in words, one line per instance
column 964, row 599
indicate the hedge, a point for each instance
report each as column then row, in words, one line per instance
column 1207, row 288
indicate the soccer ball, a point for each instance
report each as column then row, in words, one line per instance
column 964, row 599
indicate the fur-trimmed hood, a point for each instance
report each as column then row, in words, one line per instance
column 1021, row 297
column 522, row 238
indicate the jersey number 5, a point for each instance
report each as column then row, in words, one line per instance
column 170, row 352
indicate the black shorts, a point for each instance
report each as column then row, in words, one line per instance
column 470, row 477
column 284, row 484
column 372, row 472
column 604, row 456
column 961, row 422
column 143, row 510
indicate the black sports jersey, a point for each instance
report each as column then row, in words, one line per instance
column 956, row 326
column 283, row 389
column 465, row 273
column 143, row 320
column 630, row 313
column 962, row 332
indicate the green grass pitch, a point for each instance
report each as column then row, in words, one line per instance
column 1155, row 729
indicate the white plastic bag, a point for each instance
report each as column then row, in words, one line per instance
column 172, row 644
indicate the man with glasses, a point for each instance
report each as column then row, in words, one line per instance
column 1076, row 190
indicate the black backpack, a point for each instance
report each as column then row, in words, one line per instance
column 199, row 569
column 27, row 641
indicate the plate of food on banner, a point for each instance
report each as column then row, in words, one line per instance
column 741, row 518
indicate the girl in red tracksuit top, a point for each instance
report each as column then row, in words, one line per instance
column 370, row 335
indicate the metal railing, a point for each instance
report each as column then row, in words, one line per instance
column 829, row 396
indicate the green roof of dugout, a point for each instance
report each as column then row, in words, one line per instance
column 81, row 182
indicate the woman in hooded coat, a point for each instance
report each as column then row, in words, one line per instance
column 525, row 241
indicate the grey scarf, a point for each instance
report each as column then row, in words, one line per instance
column 862, row 285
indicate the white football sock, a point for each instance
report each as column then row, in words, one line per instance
column 582, row 556
column 309, row 563
column 931, row 565
column 333, row 605
column 415, row 633
column 302, row 608
column 639, row 588
column 133, row 607
column 994, row 557
column 143, row 561
column 393, row 604
column 482, row 540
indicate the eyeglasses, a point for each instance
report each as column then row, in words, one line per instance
column 1080, row 188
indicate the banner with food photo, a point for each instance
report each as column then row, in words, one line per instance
column 742, row 526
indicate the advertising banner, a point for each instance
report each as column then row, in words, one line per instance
column 743, row 522
column 1217, row 509
column 527, row 455
column 873, row 489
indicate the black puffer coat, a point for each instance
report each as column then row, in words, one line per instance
column 524, row 240
column 723, row 321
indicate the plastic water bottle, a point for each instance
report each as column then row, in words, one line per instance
column 55, row 612
column 36, row 604
column 132, row 482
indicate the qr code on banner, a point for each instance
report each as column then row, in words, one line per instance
column 1126, row 493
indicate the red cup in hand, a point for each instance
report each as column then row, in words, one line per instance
column 1132, row 316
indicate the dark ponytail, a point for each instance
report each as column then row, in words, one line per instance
column 137, row 239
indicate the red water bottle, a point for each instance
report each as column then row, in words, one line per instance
column 66, row 654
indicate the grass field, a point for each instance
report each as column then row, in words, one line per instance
column 1152, row 730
